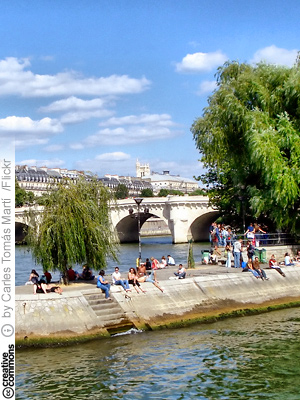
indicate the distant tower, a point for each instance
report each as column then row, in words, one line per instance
column 142, row 170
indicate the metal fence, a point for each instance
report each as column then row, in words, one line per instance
column 272, row 239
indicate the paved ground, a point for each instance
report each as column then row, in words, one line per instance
column 162, row 274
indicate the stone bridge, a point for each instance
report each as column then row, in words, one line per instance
column 188, row 217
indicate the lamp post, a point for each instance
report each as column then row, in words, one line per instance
column 138, row 201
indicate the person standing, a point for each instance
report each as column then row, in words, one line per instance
column 228, row 249
column 237, row 251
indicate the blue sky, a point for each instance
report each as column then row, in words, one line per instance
column 95, row 85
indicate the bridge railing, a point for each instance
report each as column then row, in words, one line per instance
column 273, row 239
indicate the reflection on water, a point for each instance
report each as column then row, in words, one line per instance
column 244, row 358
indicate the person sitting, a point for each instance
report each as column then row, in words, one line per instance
column 273, row 264
column 33, row 277
column 287, row 260
column 163, row 263
column 149, row 278
column 155, row 263
column 214, row 255
column 40, row 287
column 103, row 284
column 117, row 280
column 249, row 267
column 181, row 273
column 148, row 264
column 133, row 280
column 170, row 261
column 87, row 273
column 48, row 276
column 259, row 270
column 72, row 276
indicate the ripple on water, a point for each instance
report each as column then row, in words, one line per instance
column 243, row 358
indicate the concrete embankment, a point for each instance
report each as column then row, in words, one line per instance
column 82, row 312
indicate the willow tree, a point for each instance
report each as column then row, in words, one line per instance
column 74, row 227
column 249, row 140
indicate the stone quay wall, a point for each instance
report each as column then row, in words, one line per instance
column 82, row 310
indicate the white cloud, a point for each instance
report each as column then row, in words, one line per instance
column 29, row 140
column 52, row 163
column 116, row 156
column 28, row 132
column 80, row 116
column 206, row 87
column 275, row 55
column 15, row 79
column 201, row 62
column 74, row 103
column 127, row 136
column 26, row 124
column 131, row 129
column 149, row 119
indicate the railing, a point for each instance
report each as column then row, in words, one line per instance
column 272, row 239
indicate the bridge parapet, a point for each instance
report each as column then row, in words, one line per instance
column 187, row 216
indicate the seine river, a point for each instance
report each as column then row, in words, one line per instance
column 253, row 357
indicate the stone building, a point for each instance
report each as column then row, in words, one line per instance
column 165, row 180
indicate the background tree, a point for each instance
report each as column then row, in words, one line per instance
column 122, row 191
column 147, row 193
column 22, row 197
column 198, row 192
column 166, row 192
column 74, row 228
column 249, row 140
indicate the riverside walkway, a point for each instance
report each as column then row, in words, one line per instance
column 207, row 292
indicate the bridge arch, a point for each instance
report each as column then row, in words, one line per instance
column 186, row 216
column 199, row 229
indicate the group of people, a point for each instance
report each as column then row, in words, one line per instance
column 86, row 274
column 144, row 272
column 41, row 284
column 154, row 264
column 134, row 277
column 221, row 235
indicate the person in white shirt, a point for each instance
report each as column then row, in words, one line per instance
column 170, row 261
column 181, row 272
column 237, row 250
column 117, row 280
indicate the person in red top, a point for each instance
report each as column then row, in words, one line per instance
column 71, row 274
column 273, row 264
column 155, row 263
column 48, row 276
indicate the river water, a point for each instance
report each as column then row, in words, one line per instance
column 151, row 246
column 254, row 357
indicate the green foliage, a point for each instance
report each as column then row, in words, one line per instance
column 250, row 143
column 122, row 191
column 147, row 193
column 198, row 192
column 22, row 197
column 166, row 192
column 74, row 227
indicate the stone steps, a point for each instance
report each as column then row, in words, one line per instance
column 109, row 312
